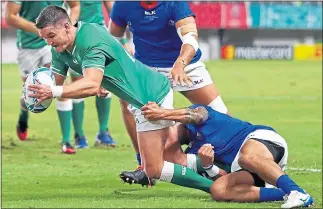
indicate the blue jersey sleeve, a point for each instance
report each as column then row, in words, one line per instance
column 181, row 10
column 117, row 14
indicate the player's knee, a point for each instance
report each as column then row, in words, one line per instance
column 218, row 191
column 124, row 105
column 247, row 160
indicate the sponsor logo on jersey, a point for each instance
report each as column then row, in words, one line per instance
column 151, row 15
column 153, row 12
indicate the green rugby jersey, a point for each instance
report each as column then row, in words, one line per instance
column 91, row 12
column 30, row 11
column 124, row 76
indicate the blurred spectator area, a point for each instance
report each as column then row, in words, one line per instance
column 247, row 24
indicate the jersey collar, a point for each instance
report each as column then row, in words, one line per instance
column 148, row 6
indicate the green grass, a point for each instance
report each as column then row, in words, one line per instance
column 284, row 94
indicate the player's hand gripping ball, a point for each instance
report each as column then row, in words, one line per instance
column 41, row 75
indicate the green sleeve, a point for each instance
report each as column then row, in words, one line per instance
column 58, row 66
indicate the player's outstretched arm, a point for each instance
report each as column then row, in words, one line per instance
column 152, row 111
column 89, row 85
column 14, row 20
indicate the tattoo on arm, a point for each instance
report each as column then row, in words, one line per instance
column 195, row 116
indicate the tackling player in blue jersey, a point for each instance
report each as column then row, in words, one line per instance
column 256, row 153
column 165, row 38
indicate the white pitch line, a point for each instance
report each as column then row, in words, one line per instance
column 313, row 170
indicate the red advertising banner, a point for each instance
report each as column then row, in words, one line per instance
column 208, row 14
column 234, row 15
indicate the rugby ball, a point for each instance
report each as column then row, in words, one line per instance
column 44, row 76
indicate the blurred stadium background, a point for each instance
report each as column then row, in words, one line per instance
column 266, row 60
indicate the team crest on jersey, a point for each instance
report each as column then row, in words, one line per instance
column 171, row 22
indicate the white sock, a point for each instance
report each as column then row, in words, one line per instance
column 191, row 162
column 167, row 172
column 64, row 105
column 218, row 105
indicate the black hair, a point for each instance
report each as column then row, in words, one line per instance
column 51, row 15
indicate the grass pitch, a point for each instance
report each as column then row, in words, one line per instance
column 286, row 95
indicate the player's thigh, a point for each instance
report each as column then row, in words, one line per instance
column 142, row 124
column 151, row 145
column 204, row 95
column 173, row 151
column 158, row 129
column 30, row 59
column 256, row 149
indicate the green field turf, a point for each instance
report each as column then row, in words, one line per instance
column 286, row 95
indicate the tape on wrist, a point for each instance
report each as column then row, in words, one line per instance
column 189, row 39
column 212, row 170
column 57, row 91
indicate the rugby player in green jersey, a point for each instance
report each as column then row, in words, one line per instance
column 91, row 12
column 106, row 66
column 33, row 50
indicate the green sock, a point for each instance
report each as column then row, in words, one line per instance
column 103, row 110
column 184, row 176
column 78, row 116
column 64, row 110
column 23, row 116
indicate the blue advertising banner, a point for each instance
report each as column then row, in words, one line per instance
column 286, row 16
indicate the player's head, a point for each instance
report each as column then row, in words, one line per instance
column 55, row 27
